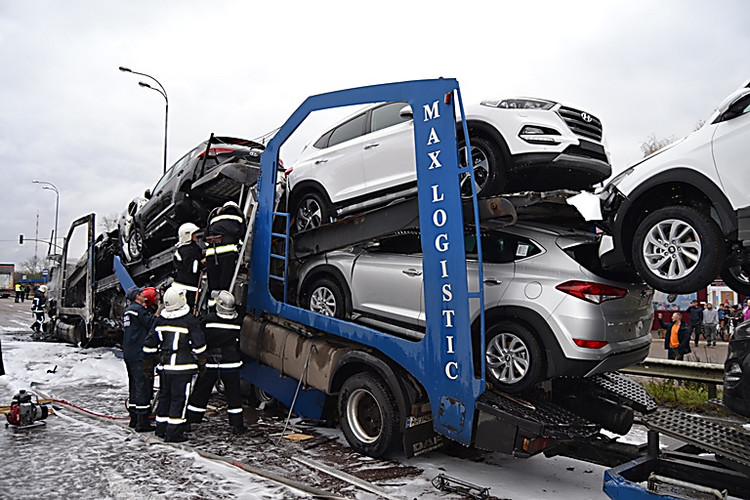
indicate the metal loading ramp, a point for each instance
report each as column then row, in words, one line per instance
column 625, row 391
column 726, row 442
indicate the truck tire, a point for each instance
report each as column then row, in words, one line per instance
column 737, row 278
column 513, row 357
column 678, row 249
column 368, row 415
column 311, row 210
column 326, row 297
column 490, row 169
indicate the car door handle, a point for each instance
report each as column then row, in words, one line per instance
column 318, row 162
column 373, row 145
column 412, row 272
column 492, row 282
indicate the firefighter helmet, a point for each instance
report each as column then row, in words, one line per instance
column 43, row 288
column 150, row 295
column 232, row 204
column 225, row 304
column 185, row 233
column 174, row 298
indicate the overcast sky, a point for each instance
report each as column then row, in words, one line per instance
column 68, row 116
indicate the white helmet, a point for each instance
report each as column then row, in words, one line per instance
column 43, row 288
column 174, row 298
column 185, row 233
column 232, row 204
column 225, row 304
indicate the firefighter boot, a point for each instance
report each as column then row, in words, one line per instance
column 161, row 429
column 133, row 419
column 144, row 424
column 174, row 434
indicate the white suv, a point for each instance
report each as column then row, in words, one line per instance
column 682, row 215
column 517, row 144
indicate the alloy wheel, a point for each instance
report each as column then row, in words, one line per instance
column 481, row 167
column 507, row 358
column 323, row 301
column 672, row 249
column 309, row 214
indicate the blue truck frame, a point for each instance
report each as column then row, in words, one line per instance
column 442, row 361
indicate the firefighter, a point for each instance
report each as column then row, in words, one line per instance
column 224, row 360
column 137, row 322
column 225, row 232
column 177, row 338
column 37, row 307
column 19, row 293
column 187, row 262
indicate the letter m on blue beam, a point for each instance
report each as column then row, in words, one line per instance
column 442, row 360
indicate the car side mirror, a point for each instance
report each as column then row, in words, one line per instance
column 406, row 113
column 147, row 194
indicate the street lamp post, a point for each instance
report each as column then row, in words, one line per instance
column 163, row 93
column 51, row 187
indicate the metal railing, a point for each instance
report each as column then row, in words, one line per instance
column 711, row 374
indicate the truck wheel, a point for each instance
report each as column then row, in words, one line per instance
column 737, row 278
column 513, row 357
column 490, row 171
column 324, row 296
column 311, row 210
column 369, row 416
column 678, row 249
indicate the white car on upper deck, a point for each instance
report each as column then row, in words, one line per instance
column 517, row 144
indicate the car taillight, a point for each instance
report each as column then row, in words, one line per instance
column 595, row 293
column 590, row 344
column 217, row 151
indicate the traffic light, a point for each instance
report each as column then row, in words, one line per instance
column 20, row 239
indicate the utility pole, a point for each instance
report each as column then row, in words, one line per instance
column 36, row 241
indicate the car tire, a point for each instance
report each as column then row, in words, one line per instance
column 490, row 168
column 513, row 357
column 737, row 278
column 684, row 264
column 325, row 296
column 368, row 415
column 310, row 211
column 135, row 245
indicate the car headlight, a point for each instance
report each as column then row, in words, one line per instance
column 519, row 104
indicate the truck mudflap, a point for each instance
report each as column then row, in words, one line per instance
column 714, row 461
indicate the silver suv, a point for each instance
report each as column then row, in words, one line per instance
column 549, row 310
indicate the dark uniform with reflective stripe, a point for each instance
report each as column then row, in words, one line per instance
column 137, row 322
column 177, row 337
column 224, row 361
column 37, row 307
column 187, row 269
column 226, row 229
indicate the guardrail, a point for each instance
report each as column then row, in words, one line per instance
column 711, row 374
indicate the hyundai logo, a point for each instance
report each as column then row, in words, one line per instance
column 586, row 117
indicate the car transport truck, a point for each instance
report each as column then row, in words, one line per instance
column 391, row 392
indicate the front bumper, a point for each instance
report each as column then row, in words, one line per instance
column 577, row 167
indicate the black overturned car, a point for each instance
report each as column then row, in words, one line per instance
column 215, row 171
column 737, row 371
